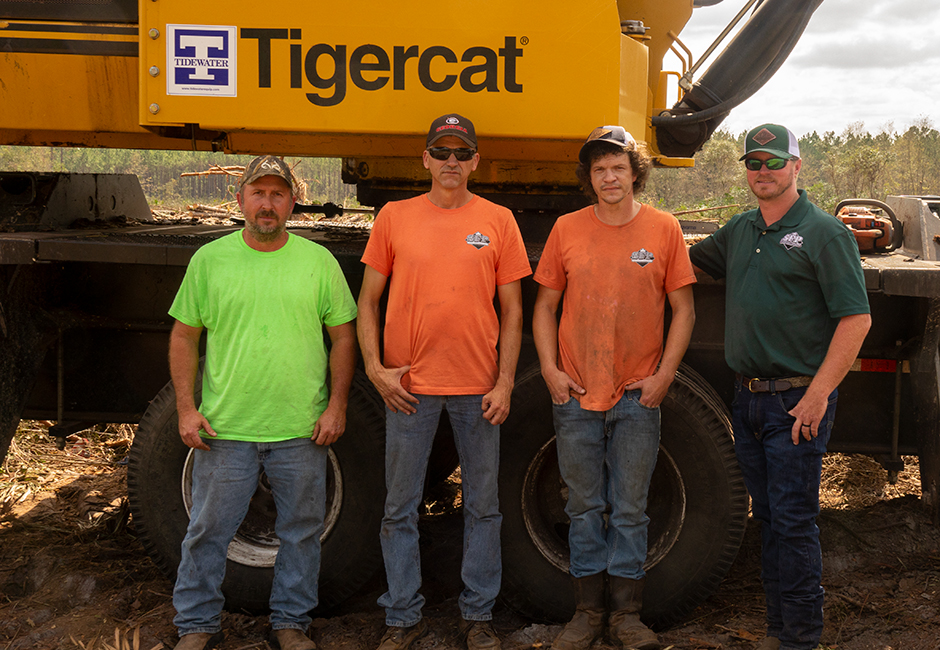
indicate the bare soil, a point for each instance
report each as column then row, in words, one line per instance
column 73, row 575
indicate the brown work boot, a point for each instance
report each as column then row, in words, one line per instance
column 292, row 639
column 401, row 638
column 626, row 599
column 479, row 635
column 587, row 624
column 768, row 643
column 199, row 641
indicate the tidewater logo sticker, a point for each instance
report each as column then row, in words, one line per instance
column 201, row 60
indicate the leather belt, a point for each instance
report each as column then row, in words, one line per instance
column 777, row 385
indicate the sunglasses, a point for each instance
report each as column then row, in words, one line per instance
column 773, row 164
column 443, row 153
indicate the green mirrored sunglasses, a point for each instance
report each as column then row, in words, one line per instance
column 773, row 164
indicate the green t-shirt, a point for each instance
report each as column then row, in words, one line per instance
column 787, row 285
column 264, row 312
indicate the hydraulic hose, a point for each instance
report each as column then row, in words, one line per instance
column 746, row 64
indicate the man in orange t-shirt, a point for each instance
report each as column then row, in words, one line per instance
column 616, row 263
column 444, row 255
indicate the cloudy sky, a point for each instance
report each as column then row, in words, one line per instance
column 870, row 61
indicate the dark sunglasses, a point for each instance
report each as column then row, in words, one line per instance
column 443, row 153
column 773, row 164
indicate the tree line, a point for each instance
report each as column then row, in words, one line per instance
column 852, row 164
column 160, row 172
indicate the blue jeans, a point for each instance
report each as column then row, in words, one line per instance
column 224, row 480
column 606, row 459
column 408, row 440
column 783, row 481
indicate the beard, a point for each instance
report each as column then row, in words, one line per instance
column 772, row 192
column 265, row 233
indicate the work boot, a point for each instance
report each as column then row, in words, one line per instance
column 587, row 624
column 401, row 638
column 292, row 639
column 768, row 643
column 199, row 641
column 479, row 635
column 626, row 599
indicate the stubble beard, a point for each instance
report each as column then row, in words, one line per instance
column 265, row 234
column 771, row 193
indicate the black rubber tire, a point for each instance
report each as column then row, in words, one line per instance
column 691, row 545
column 350, row 551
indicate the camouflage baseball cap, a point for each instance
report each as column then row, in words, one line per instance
column 268, row 166
column 773, row 139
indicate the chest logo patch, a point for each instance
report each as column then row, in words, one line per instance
column 792, row 240
column 477, row 240
column 642, row 257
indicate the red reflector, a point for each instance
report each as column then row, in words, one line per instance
column 878, row 365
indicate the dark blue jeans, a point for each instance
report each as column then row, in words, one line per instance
column 607, row 459
column 783, row 481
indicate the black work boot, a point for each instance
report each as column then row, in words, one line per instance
column 587, row 624
column 626, row 600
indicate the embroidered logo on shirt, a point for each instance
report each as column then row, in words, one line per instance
column 477, row 240
column 642, row 257
column 792, row 240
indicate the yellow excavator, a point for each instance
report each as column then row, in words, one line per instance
column 360, row 80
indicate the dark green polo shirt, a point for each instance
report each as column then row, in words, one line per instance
column 787, row 285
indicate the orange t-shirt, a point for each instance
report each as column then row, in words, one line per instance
column 615, row 280
column 443, row 268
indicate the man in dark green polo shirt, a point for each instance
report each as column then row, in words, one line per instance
column 796, row 313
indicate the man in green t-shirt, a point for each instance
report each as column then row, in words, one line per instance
column 796, row 313
column 264, row 297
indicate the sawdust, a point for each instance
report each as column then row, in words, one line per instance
column 72, row 574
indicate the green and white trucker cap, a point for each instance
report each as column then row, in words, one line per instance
column 773, row 139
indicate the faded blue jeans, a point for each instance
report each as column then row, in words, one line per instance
column 606, row 459
column 408, row 440
column 224, row 480
column 783, row 481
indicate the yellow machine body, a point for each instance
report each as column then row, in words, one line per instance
column 360, row 80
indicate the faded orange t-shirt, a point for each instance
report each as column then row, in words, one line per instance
column 615, row 280
column 443, row 268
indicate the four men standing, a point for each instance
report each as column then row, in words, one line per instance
column 797, row 313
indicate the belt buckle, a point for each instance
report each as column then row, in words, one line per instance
column 751, row 381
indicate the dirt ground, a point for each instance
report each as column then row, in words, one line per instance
column 73, row 575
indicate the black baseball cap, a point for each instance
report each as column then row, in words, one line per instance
column 452, row 124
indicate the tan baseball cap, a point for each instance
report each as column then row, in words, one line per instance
column 615, row 135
